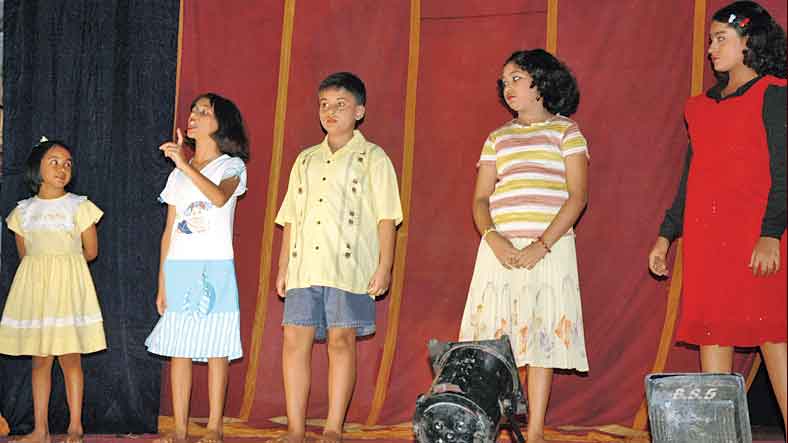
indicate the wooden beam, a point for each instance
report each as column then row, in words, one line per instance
column 398, row 276
column 266, row 245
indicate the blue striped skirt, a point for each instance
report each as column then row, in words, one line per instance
column 202, row 319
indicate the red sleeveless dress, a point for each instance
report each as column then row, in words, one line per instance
column 727, row 190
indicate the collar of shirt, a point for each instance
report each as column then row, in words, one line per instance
column 716, row 91
column 356, row 144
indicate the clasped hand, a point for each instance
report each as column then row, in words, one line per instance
column 512, row 258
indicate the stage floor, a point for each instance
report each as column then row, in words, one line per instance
column 238, row 432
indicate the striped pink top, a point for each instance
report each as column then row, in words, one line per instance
column 531, row 185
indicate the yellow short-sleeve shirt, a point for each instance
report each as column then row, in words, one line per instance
column 334, row 202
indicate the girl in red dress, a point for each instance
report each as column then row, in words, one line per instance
column 734, row 191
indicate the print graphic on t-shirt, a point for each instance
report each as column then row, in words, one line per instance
column 196, row 218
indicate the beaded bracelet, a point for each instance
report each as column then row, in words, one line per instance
column 544, row 245
column 488, row 230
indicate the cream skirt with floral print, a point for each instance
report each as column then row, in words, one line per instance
column 539, row 308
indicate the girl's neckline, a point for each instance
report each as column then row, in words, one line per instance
column 539, row 123
column 51, row 199
column 715, row 92
column 191, row 160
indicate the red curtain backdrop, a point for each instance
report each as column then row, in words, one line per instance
column 633, row 63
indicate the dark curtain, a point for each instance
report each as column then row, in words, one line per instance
column 100, row 75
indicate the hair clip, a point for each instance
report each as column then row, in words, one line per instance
column 43, row 139
column 742, row 23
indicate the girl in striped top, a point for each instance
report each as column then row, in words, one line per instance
column 530, row 191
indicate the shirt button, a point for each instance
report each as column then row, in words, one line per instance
column 317, row 248
column 295, row 254
column 347, row 254
column 352, row 213
column 348, row 245
column 300, row 190
column 355, row 181
column 353, row 189
column 350, row 221
column 320, row 200
column 318, row 222
column 360, row 159
column 328, row 161
column 324, row 179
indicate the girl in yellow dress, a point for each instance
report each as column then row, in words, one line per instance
column 52, row 309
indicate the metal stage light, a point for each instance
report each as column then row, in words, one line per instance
column 697, row 408
column 476, row 386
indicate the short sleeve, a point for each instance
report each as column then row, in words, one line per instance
column 488, row 152
column 168, row 193
column 287, row 212
column 236, row 168
column 87, row 214
column 573, row 142
column 385, row 192
column 14, row 222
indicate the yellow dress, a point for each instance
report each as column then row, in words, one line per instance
column 52, row 308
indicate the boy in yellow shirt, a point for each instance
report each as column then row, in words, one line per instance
column 339, row 214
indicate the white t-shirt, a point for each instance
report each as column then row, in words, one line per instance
column 203, row 231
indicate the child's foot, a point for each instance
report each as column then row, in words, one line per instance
column 287, row 438
column 33, row 437
column 211, row 437
column 73, row 438
column 171, row 438
column 330, row 437
column 75, row 435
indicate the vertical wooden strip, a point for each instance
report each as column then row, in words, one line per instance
column 671, row 312
column 266, row 245
column 178, row 69
column 384, row 373
column 756, row 365
column 698, row 47
column 668, row 327
column 551, row 42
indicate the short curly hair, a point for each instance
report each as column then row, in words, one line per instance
column 555, row 83
column 765, row 52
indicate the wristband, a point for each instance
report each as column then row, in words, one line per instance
column 544, row 245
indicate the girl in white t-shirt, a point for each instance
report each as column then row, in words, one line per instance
column 198, row 296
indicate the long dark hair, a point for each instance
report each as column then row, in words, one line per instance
column 231, row 133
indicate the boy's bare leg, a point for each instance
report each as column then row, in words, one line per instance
column 75, row 387
column 296, row 371
column 42, row 386
column 775, row 355
column 341, row 376
column 539, row 383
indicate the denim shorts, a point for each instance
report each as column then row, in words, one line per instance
column 324, row 307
